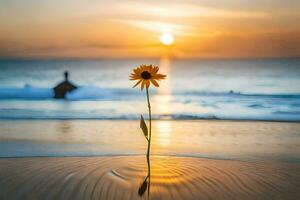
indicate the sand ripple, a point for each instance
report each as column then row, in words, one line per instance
column 121, row 178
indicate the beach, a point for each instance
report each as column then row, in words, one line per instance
column 120, row 177
column 191, row 159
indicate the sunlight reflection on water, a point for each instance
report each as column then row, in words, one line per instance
column 164, row 130
column 204, row 138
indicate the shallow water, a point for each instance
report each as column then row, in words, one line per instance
column 242, row 140
column 124, row 178
column 224, row 89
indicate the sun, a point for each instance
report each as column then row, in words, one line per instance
column 167, row 39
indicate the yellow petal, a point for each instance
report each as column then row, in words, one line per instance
column 143, row 67
column 154, row 82
column 143, row 85
column 137, row 83
column 133, row 78
column 147, row 83
column 159, row 76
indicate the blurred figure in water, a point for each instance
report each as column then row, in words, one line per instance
column 64, row 87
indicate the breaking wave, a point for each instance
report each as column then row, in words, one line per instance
column 91, row 102
column 29, row 92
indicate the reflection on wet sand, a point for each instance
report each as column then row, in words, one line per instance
column 123, row 177
column 65, row 131
column 145, row 186
column 243, row 140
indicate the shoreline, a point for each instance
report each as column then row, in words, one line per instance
column 124, row 119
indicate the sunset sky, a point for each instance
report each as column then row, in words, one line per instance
column 130, row 29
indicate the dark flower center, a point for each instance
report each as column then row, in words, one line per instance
column 146, row 75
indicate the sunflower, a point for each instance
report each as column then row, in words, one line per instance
column 146, row 74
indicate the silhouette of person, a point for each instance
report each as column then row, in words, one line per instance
column 64, row 87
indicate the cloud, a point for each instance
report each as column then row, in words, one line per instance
column 179, row 10
column 159, row 26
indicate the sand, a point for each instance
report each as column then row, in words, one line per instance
column 242, row 140
column 121, row 177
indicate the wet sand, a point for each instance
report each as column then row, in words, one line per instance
column 121, row 177
column 241, row 140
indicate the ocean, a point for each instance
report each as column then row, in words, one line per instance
column 205, row 108
column 256, row 89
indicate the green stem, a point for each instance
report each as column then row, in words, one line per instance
column 149, row 176
column 149, row 107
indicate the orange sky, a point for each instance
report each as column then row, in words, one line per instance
column 121, row 29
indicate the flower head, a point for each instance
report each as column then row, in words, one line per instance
column 146, row 74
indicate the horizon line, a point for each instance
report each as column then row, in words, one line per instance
column 150, row 58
